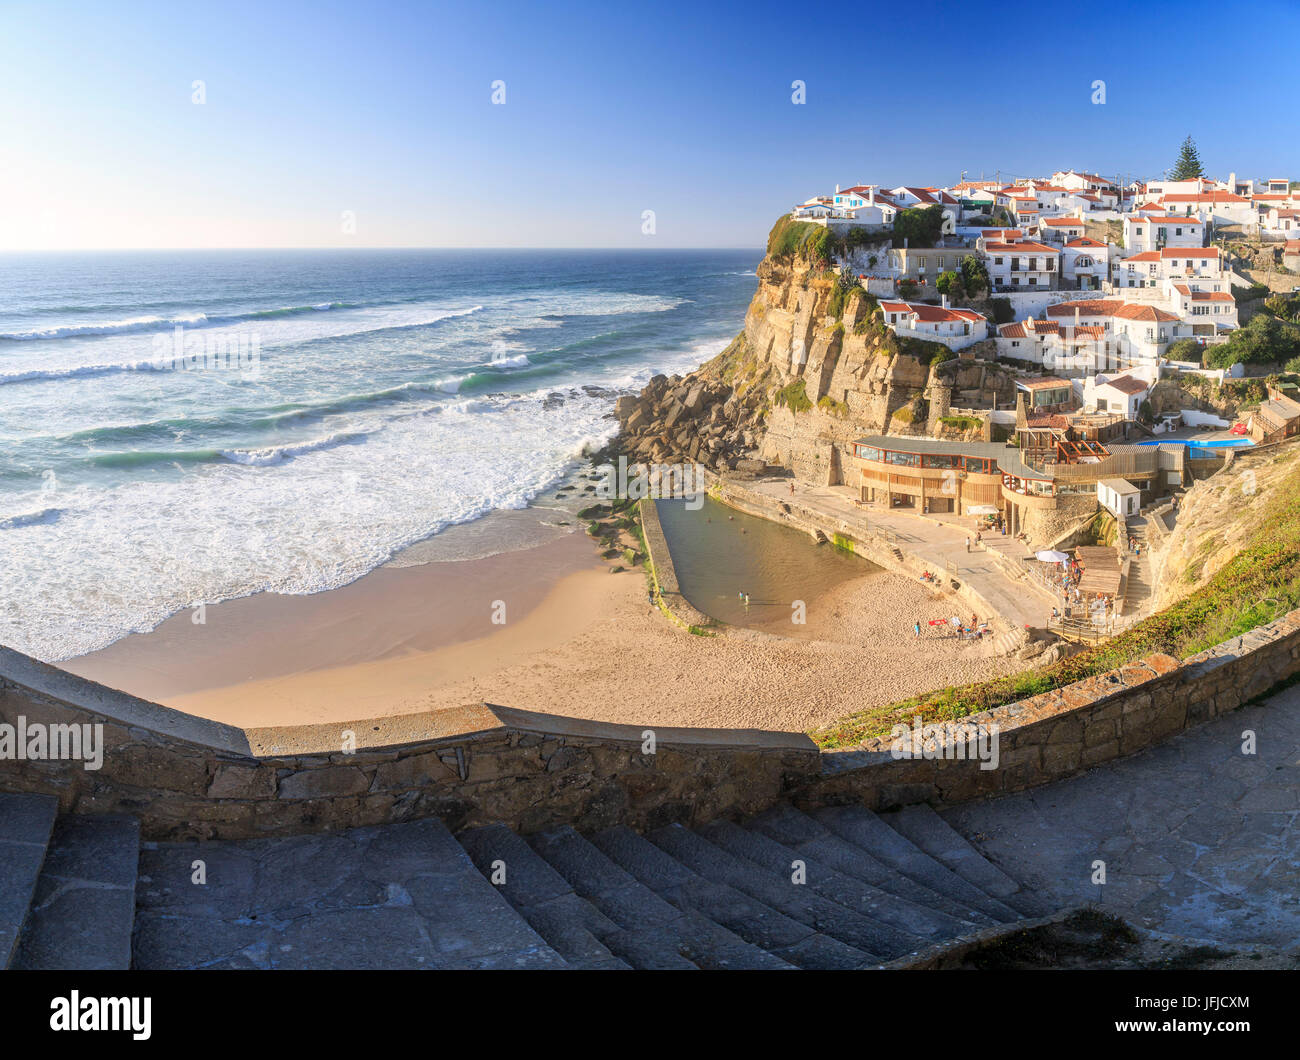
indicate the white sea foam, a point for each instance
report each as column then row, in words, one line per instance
column 276, row 454
column 300, row 525
column 384, row 452
column 107, row 327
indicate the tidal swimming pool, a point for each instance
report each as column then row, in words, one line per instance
column 719, row 553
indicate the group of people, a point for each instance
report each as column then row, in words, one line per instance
column 954, row 627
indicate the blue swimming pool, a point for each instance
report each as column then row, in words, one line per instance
column 1205, row 443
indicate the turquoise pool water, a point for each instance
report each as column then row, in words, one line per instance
column 1206, row 443
column 719, row 553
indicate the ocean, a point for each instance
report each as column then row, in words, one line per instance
column 179, row 428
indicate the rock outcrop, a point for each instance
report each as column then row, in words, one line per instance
column 813, row 370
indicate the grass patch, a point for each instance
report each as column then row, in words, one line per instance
column 794, row 396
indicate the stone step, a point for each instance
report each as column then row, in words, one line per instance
column 756, row 923
column 838, row 938
column 402, row 895
column 918, row 924
column 651, row 933
column 885, row 927
column 863, row 828
column 83, row 909
column 25, row 825
column 542, row 896
column 801, row 833
column 942, row 842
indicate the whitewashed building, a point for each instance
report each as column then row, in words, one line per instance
column 1060, row 229
column 1157, row 231
column 1200, row 267
column 955, row 328
column 1085, row 264
column 1022, row 264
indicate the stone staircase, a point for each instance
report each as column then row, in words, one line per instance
column 838, row 888
column 1138, row 588
column 67, row 886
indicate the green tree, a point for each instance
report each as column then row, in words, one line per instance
column 946, row 282
column 1265, row 340
column 1188, row 166
column 974, row 276
column 920, row 227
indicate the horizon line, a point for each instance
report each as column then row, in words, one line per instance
column 122, row 250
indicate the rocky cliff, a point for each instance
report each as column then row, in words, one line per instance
column 813, row 369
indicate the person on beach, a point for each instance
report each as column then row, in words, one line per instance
column 917, row 627
column 791, row 489
column 968, row 544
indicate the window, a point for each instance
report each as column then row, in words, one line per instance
column 997, row 261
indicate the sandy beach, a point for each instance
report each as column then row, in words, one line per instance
column 578, row 640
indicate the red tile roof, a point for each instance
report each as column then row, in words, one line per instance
column 1026, row 247
column 1110, row 307
column 1126, row 384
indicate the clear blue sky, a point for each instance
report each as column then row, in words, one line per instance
column 384, row 110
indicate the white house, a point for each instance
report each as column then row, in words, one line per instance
column 1221, row 206
column 1090, row 182
column 1119, row 497
column 1061, row 229
column 1118, row 393
column 1156, row 189
column 1085, row 264
column 1157, row 231
column 1018, row 265
column 1057, row 347
column 1209, row 312
column 921, row 197
column 1134, row 333
column 1283, row 222
column 1197, row 266
column 955, row 328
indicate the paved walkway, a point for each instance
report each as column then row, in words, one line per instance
column 936, row 542
column 1198, row 838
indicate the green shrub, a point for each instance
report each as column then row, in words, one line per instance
column 794, row 396
column 836, row 408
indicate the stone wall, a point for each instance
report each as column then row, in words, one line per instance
column 188, row 778
column 1071, row 729
column 185, row 777
column 663, row 575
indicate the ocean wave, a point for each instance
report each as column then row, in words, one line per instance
column 79, row 371
column 158, row 323
column 298, row 310
column 44, row 515
column 276, row 454
column 518, row 361
column 109, row 327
